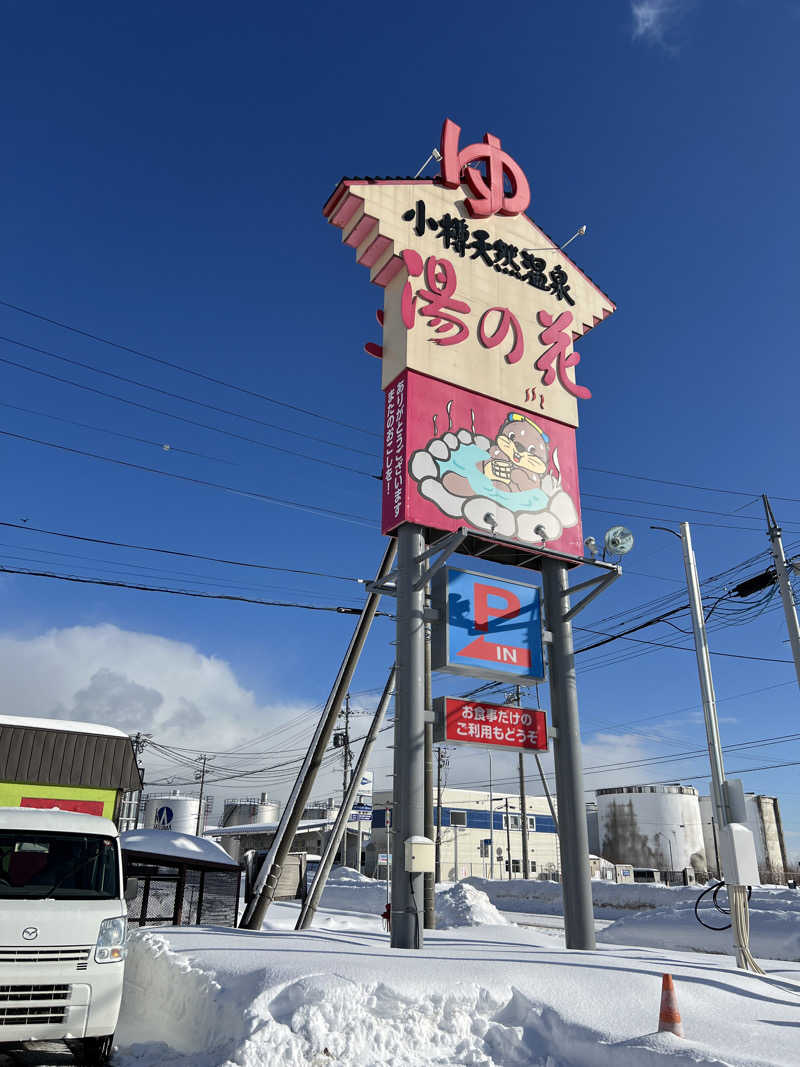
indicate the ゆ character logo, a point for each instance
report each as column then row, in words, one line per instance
column 489, row 193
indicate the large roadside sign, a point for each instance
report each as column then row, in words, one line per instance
column 488, row 627
column 458, row 721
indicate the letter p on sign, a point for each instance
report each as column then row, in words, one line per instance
column 508, row 608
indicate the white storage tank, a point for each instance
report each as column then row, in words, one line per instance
column 246, row 811
column 171, row 811
column 764, row 819
column 655, row 826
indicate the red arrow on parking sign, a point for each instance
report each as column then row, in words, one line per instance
column 480, row 648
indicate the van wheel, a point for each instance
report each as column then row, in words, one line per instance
column 94, row 1051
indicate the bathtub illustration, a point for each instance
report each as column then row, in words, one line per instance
column 469, row 460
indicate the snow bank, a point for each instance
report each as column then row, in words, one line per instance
column 487, row 997
column 464, row 905
column 610, row 900
column 774, row 925
column 661, row 916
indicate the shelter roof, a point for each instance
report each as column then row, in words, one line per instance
column 183, row 848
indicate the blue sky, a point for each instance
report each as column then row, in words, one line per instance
column 164, row 173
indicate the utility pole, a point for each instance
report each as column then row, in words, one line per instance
column 310, row 904
column 139, row 741
column 508, row 840
column 787, row 595
column 491, row 819
column 576, row 884
column 409, row 736
column 523, row 814
column 706, row 681
column 201, row 774
column 727, row 800
column 342, row 740
column 428, row 879
column 267, row 878
column 442, row 760
column 523, row 811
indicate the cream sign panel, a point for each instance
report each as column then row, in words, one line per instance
column 474, row 292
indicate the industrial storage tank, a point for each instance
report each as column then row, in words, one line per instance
column 764, row 820
column 171, row 811
column 246, row 811
column 652, row 826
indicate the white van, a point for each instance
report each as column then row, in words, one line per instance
column 63, row 929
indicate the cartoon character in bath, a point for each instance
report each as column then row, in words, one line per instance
column 518, row 457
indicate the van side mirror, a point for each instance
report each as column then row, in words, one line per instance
column 131, row 889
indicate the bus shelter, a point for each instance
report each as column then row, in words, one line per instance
column 182, row 880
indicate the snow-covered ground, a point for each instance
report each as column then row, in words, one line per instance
column 477, row 994
column 658, row 916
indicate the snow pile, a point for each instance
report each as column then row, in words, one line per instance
column 488, row 997
column 610, row 900
column 464, row 905
column 774, row 925
column 347, row 890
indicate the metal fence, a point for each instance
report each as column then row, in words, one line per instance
column 182, row 896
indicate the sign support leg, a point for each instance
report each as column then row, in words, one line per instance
column 573, row 833
column 409, row 736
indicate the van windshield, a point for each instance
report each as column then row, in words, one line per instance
column 37, row 864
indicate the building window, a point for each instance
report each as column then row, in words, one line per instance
column 533, row 866
column 512, row 821
column 516, row 867
column 532, row 823
column 458, row 818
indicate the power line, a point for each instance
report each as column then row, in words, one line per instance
column 185, row 419
column 176, row 552
column 661, row 518
column 116, row 433
column 184, row 370
column 357, row 520
column 672, row 507
column 144, row 573
column 340, row 610
column 689, row 485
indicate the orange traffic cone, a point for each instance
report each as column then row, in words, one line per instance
column 669, row 1018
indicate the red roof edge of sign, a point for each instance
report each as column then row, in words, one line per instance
column 344, row 202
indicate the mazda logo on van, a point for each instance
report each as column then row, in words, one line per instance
column 30, row 933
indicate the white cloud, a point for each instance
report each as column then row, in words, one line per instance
column 652, row 19
column 138, row 681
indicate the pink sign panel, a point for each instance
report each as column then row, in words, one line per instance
column 490, row 725
column 454, row 458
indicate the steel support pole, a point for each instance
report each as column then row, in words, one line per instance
column 576, row 885
column 267, row 878
column 787, row 596
column 429, row 891
column 706, row 681
column 409, row 737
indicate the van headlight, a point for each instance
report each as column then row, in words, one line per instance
column 110, row 947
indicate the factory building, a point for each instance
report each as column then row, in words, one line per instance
column 467, row 832
column 764, row 819
column 655, row 827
